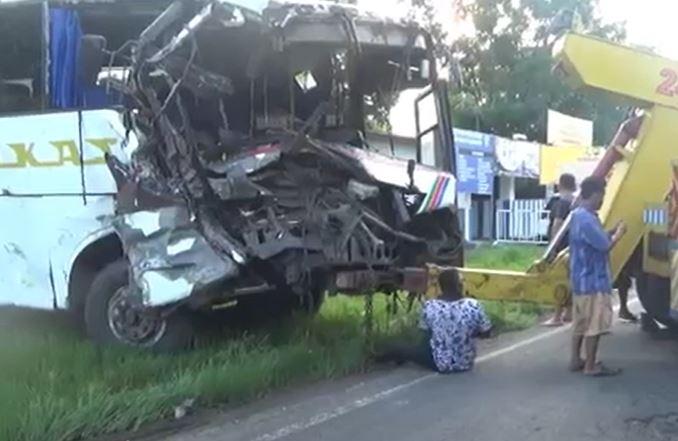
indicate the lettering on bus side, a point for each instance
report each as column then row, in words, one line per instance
column 67, row 153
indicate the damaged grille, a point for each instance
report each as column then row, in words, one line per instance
column 274, row 206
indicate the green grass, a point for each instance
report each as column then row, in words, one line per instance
column 508, row 316
column 505, row 257
column 54, row 385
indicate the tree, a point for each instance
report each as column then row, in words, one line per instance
column 506, row 84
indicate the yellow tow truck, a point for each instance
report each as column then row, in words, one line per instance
column 637, row 165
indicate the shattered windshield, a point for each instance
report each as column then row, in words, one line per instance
column 272, row 71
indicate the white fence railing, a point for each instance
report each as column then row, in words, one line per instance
column 523, row 221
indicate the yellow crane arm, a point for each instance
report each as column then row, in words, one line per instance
column 636, row 76
column 637, row 179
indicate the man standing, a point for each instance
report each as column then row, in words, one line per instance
column 451, row 324
column 591, row 278
column 559, row 208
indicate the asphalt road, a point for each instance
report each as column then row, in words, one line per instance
column 519, row 390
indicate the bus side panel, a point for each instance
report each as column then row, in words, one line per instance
column 82, row 226
column 39, row 238
column 103, row 132
column 42, row 155
column 24, row 261
column 56, row 196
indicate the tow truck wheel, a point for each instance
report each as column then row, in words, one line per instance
column 113, row 316
column 654, row 293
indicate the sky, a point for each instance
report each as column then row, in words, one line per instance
column 648, row 22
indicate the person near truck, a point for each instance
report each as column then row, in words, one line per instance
column 591, row 278
column 559, row 208
column 623, row 285
column 450, row 325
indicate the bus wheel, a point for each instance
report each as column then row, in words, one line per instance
column 654, row 293
column 114, row 317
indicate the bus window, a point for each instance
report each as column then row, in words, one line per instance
column 428, row 149
column 20, row 58
column 427, row 128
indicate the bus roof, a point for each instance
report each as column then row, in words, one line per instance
column 253, row 5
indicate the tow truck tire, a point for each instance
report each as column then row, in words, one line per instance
column 107, row 306
column 654, row 293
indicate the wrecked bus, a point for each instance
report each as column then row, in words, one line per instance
column 160, row 158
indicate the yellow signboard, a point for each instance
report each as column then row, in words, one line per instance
column 553, row 159
column 566, row 130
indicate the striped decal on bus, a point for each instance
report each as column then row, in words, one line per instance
column 437, row 195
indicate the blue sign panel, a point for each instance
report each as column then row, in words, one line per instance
column 475, row 162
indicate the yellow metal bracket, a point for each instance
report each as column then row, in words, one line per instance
column 640, row 177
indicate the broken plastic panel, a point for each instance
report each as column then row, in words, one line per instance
column 169, row 258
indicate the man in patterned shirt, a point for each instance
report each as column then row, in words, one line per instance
column 591, row 277
column 450, row 324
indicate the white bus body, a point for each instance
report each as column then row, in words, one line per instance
column 57, row 198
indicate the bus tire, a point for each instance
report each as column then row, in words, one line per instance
column 112, row 319
column 654, row 293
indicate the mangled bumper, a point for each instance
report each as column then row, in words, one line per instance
column 169, row 258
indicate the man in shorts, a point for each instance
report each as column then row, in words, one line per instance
column 591, row 278
column 559, row 208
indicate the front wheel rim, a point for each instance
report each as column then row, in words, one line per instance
column 131, row 324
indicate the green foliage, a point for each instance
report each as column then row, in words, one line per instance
column 508, row 316
column 504, row 67
column 55, row 385
column 512, row 258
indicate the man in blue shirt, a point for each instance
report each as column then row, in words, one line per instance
column 591, row 277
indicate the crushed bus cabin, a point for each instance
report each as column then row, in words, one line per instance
column 161, row 158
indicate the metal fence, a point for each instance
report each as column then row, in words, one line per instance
column 523, row 221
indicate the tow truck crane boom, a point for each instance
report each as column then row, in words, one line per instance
column 636, row 163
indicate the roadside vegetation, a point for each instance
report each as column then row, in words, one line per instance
column 504, row 257
column 56, row 386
